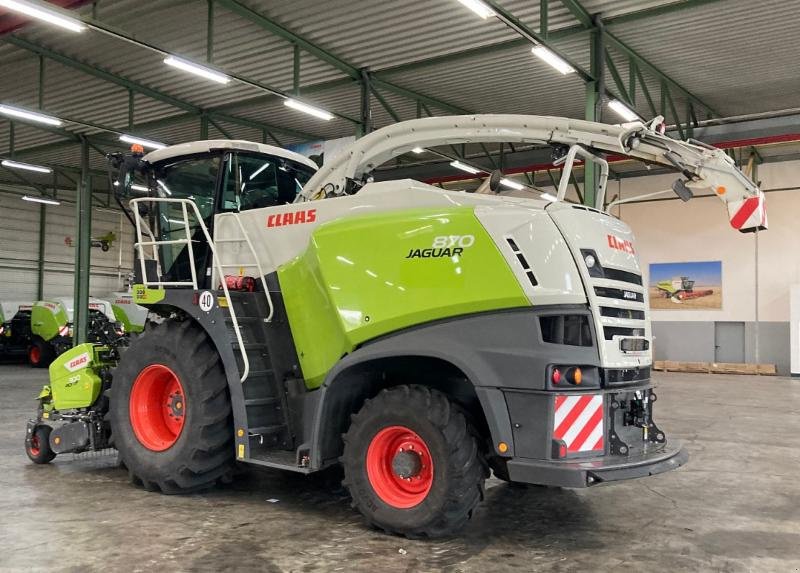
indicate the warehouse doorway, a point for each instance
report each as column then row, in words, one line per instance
column 729, row 342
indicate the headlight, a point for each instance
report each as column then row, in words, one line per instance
column 589, row 260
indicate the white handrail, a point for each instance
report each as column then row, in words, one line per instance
column 258, row 265
column 196, row 212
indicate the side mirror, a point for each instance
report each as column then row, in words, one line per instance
column 494, row 180
column 681, row 190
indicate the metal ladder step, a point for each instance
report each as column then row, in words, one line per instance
column 265, row 430
column 261, row 401
column 250, row 346
column 257, row 373
column 243, row 319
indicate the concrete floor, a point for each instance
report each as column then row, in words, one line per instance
column 734, row 507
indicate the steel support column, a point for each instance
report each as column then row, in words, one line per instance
column 594, row 104
column 83, row 249
column 366, row 108
column 40, row 262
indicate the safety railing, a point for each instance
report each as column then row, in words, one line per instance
column 140, row 244
column 255, row 264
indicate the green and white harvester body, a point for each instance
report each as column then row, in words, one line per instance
column 52, row 330
column 130, row 315
column 15, row 328
column 416, row 336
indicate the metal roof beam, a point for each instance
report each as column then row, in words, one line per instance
column 342, row 65
column 585, row 19
column 533, row 37
column 142, row 89
column 551, row 36
column 278, row 30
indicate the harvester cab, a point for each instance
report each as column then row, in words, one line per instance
column 195, row 182
column 415, row 335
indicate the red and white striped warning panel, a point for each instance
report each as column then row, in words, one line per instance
column 578, row 421
column 748, row 214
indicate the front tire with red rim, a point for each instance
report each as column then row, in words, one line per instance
column 412, row 463
column 38, row 446
column 170, row 410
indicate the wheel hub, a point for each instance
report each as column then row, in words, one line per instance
column 399, row 467
column 175, row 405
column 407, row 464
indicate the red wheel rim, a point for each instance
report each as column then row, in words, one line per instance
column 157, row 407
column 399, row 467
column 34, row 355
column 34, row 448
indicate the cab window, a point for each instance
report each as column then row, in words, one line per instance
column 255, row 181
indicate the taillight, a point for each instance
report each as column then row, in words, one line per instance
column 571, row 377
column 574, row 376
column 559, row 449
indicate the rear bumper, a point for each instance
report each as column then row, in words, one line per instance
column 588, row 472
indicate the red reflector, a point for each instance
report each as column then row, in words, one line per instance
column 556, row 376
column 562, row 451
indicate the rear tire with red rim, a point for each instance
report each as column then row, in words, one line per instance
column 40, row 353
column 412, row 463
column 170, row 410
column 38, row 448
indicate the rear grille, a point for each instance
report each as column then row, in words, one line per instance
column 611, row 331
column 628, row 313
column 607, row 292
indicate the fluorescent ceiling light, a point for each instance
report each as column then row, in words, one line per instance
column 196, row 69
column 143, row 142
column 623, row 110
column 480, row 8
column 40, row 200
column 30, row 115
column 549, row 57
column 548, row 197
column 418, row 150
column 25, row 166
column 40, row 13
column 513, row 184
column 464, row 167
column 309, row 109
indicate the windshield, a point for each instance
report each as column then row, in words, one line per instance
column 196, row 179
column 253, row 181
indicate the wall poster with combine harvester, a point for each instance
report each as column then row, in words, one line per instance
column 686, row 286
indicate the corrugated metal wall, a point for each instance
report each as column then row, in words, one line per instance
column 19, row 250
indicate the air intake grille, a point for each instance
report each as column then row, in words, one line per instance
column 522, row 261
column 611, row 331
column 628, row 313
column 624, row 276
